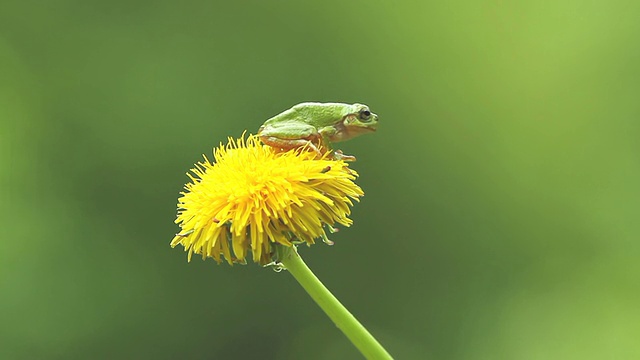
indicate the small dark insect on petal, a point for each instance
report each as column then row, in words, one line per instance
column 325, row 170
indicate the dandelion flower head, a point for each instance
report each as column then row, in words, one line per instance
column 253, row 196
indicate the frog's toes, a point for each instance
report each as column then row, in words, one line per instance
column 339, row 155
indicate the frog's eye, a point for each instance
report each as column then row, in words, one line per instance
column 365, row 114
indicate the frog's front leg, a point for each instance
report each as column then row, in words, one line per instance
column 291, row 136
column 326, row 133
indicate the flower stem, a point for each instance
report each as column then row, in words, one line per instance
column 357, row 334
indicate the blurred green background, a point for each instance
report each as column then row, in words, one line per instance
column 502, row 189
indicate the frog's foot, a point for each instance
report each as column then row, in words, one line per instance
column 288, row 144
column 339, row 155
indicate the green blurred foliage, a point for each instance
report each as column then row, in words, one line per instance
column 501, row 212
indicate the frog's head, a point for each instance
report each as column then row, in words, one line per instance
column 358, row 120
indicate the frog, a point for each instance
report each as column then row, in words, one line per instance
column 317, row 126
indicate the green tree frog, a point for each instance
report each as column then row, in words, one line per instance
column 317, row 126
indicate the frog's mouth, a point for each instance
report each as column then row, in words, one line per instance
column 364, row 129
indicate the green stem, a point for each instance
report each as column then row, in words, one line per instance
column 359, row 336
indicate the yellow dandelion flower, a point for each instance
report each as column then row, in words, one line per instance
column 253, row 196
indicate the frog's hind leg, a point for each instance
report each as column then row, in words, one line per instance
column 288, row 144
column 297, row 134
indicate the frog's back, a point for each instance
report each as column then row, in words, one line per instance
column 321, row 113
column 315, row 113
